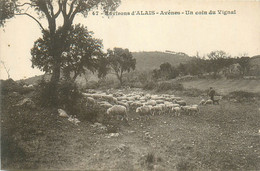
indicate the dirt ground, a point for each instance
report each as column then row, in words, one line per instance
column 220, row 137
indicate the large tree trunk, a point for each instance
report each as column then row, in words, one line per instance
column 56, row 73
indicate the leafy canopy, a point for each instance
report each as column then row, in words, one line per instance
column 81, row 52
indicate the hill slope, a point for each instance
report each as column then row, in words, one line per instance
column 153, row 60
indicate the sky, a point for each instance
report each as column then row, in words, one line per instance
column 236, row 34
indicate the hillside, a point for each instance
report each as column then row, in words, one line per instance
column 224, row 86
column 153, row 60
column 255, row 60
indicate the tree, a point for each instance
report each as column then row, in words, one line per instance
column 245, row 65
column 182, row 69
column 7, row 9
column 51, row 10
column 168, row 71
column 120, row 61
column 81, row 52
column 217, row 60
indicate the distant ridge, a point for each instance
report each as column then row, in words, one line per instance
column 153, row 60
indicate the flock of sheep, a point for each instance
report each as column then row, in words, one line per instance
column 119, row 104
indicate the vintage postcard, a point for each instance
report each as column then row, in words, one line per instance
column 130, row 85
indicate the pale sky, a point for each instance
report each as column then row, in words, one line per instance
column 236, row 34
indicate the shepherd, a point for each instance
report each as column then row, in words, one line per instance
column 211, row 94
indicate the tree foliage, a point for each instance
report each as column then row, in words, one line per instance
column 81, row 51
column 7, row 10
column 121, row 61
column 166, row 71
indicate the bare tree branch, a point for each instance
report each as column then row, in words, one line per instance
column 25, row 4
column 51, row 7
column 59, row 10
column 32, row 18
column 7, row 70
column 77, row 10
column 71, row 7
column 64, row 8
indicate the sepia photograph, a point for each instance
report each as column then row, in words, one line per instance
column 130, row 85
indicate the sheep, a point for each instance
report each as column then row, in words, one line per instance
column 202, row 102
column 118, row 111
column 181, row 102
column 109, row 98
column 142, row 101
column 185, row 109
column 151, row 102
column 209, row 101
column 136, row 104
column 91, row 101
column 106, row 105
column 144, row 111
column 160, row 101
column 217, row 99
column 194, row 109
column 177, row 111
column 163, row 107
column 156, row 109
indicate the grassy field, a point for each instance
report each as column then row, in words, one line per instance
column 220, row 137
column 224, row 86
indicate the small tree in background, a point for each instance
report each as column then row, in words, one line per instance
column 121, row 61
column 217, row 60
column 168, row 71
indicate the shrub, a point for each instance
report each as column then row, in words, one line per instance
column 88, row 112
column 66, row 96
column 8, row 86
column 164, row 86
column 150, row 85
column 243, row 96
column 92, row 85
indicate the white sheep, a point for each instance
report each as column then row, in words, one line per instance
column 151, row 102
column 123, row 104
column 144, row 111
column 202, row 102
column 105, row 105
column 181, row 102
column 118, row 111
column 209, row 101
column 194, row 109
column 156, row 109
column 91, row 101
column 177, row 111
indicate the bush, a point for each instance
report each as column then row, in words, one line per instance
column 66, row 95
column 243, row 96
column 8, row 86
column 150, row 85
column 92, row 85
column 88, row 112
column 164, row 86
